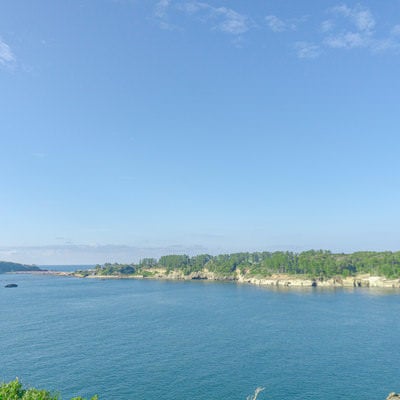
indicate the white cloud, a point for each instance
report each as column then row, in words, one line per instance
column 307, row 50
column 223, row 19
column 279, row 25
column 359, row 32
column 347, row 27
column 361, row 17
column 161, row 8
column 364, row 20
column 191, row 8
column 6, row 55
column 327, row 26
column 275, row 23
column 231, row 21
column 354, row 27
column 161, row 11
column 347, row 40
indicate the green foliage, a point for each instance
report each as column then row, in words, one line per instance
column 313, row 263
column 11, row 391
column 148, row 263
column 146, row 274
column 14, row 391
column 174, row 262
column 81, row 398
column 115, row 269
column 84, row 273
column 227, row 264
column 127, row 269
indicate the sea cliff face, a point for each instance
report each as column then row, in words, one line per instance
column 286, row 281
column 199, row 275
column 277, row 280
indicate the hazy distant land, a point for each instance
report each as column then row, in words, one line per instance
column 6, row 266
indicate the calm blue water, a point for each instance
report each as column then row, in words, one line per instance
column 126, row 339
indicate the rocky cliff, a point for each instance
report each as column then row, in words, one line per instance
column 296, row 281
column 279, row 280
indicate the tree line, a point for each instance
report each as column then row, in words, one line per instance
column 314, row 263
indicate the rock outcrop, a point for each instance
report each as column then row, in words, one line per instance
column 198, row 275
column 295, row 281
column 393, row 396
column 278, row 280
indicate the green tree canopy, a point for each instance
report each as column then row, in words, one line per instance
column 14, row 390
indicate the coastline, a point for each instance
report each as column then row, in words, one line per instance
column 275, row 280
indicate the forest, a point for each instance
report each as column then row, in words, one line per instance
column 312, row 263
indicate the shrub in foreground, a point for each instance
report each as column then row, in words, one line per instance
column 15, row 391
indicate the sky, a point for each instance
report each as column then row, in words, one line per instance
column 134, row 128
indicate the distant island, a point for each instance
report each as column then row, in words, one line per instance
column 308, row 268
column 6, row 266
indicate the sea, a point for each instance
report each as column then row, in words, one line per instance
column 170, row 340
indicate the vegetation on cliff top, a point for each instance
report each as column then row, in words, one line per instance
column 313, row 263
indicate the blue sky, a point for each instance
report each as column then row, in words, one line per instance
column 134, row 128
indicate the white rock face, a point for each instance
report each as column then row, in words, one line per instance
column 280, row 280
column 287, row 281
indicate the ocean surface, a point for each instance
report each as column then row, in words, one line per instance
column 132, row 339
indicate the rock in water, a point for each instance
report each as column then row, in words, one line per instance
column 9, row 285
column 393, row 396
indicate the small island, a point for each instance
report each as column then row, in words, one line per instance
column 308, row 269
